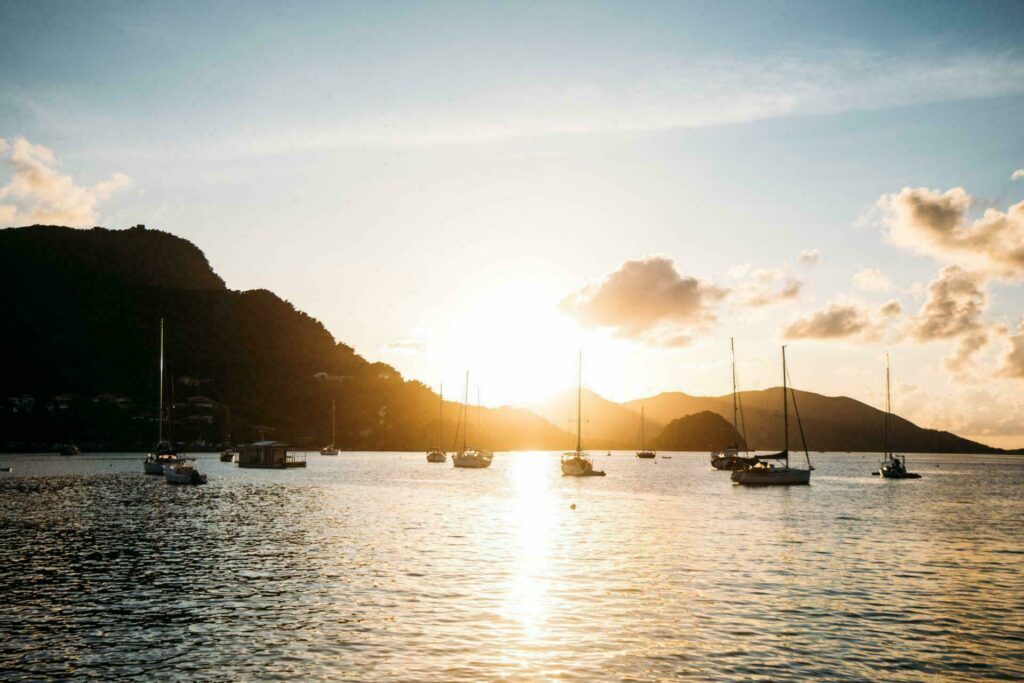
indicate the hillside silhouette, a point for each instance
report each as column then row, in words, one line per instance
column 703, row 431
column 80, row 360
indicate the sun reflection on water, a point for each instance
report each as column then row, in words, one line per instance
column 532, row 516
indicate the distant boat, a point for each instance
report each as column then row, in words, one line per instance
column 764, row 474
column 228, row 454
column 643, row 452
column 5, row 468
column 578, row 463
column 164, row 452
column 184, row 471
column 729, row 458
column 892, row 467
column 469, row 457
column 331, row 450
column 70, row 449
column 437, row 454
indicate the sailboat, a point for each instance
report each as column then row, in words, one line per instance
column 730, row 458
column 229, row 453
column 892, row 467
column 164, row 452
column 469, row 457
column 578, row 463
column 331, row 450
column 437, row 454
column 643, row 452
column 764, row 474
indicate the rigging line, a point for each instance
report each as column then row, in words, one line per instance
column 799, row 423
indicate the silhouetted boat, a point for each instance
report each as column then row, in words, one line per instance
column 892, row 467
column 70, row 449
column 330, row 450
column 164, row 452
column 764, row 474
column 5, row 468
column 578, row 463
column 472, row 458
column 643, row 452
column 437, row 454
column 228, row 454
column 184, row 471
column 729, row 458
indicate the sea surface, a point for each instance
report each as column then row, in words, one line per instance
column 380, row 566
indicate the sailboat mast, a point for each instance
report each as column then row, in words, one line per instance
column 785, row 408
column 643, row 441
column 440, row 417
column 333, row 411
column 888, row 405
column 465, row 406
column 160, row 401
column 735, row 421
column 579, row 407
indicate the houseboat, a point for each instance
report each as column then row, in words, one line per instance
column 269, row 455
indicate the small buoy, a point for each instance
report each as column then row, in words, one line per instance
column 573, row 506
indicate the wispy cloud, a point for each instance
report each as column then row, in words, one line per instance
column 38, row 193
column 872, row 280
column 667, row 95
column 809, row 257
column 1018, row 174
column 849, row 320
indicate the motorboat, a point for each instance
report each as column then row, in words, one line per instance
column 183, row 471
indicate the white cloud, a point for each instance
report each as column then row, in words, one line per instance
column 38, row 193
column 765, row 287
column 1012, row 364
column 647, row 300
column 935, row 223
column 809, row 257
column 1019, row 173
column 955, row 303
column 872, row 280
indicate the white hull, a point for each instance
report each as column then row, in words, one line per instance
column 777, row 476
column 187, row 476
column 329, row 451
column 472, row 459
column 579, row 464
column 154, row 464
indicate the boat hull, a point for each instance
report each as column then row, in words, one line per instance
column 645, row 455
column 576, row 466
column 779, row 476
column 189, row 477
column 436, row 456
column 476, row 460
column 329, row 451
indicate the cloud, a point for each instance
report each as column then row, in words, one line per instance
column 809, row 257
column 647, row 300
column 1019, row 173
column 765, row 287
column 872, row 280
column 852, row 320
column 935, row 223
column 414, row 346
column 954, row 305
column 38, row 193
column 1012, row 364
column 961, row 361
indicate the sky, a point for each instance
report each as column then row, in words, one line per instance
column 495, row 186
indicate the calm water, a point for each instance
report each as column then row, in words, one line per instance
column 380, row 566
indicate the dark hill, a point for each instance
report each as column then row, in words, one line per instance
column 704, row 431
column 80, row 356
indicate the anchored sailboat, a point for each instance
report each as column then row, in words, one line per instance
column 469, row 457
column 730, row 458
column 578, row 463
column 164, row 452
column 892, row 467
column 763, row 474
column 643, row 452
column 437, row 454
column 331, row 450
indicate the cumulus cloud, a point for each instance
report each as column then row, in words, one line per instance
column 1012, row 364
column 647, row 300
column 954, row 305
column 936, row 223
column 872, row 280
column 1019, row 173
column 851, row 320
column 38, row 193
column 961, row 362
column 765, row 287
column 809, row 257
